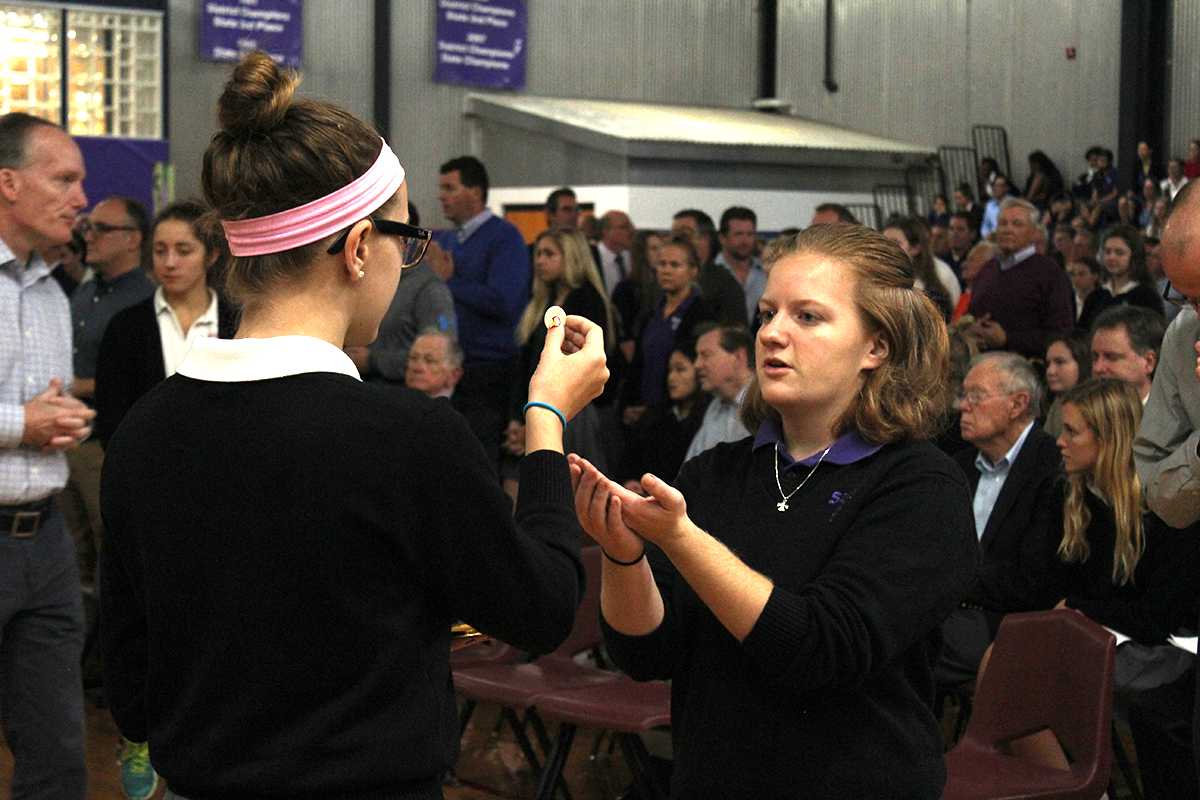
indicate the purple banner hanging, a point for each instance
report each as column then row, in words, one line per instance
column 481, row 43
column 230, row 28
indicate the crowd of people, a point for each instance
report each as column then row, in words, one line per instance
column 989, row 410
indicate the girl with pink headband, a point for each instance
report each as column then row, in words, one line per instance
column 287, row 546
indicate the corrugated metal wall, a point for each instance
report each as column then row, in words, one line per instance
column 1184, row 69
column 920, row 70
column 926, row 70
column 654, row 50
column 337, row 65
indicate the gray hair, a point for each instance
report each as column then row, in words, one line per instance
column 1019, row 376
column 454, row 351
column 1030, row 209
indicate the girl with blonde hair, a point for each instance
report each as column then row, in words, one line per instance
column 564, row 275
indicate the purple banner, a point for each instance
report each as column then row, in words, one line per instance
column 231, row 28
column 481, row 43
column 129, row 167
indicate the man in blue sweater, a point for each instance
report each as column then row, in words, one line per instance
column 485, row 262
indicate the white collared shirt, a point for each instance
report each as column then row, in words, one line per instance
column 1129, row 287
column 236, row 360
column 175, row 340
column 991, row 481
column 612, row 272
column 1018, row 257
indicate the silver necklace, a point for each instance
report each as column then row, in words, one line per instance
column 782, row 505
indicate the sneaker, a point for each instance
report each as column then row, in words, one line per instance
column 139, row 781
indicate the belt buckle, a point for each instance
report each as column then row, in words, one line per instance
column 25, row 524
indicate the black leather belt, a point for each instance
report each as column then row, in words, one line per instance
column 25, row 520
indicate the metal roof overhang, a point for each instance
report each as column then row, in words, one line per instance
column 695, row 133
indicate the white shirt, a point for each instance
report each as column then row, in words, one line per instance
column 175, row 340
column 948, row 280
column 613, row 274
column 720, row 424
column 1170, row 188
column 235, row 360
column 991, row 481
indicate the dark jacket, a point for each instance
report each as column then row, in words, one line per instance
column 1161, row 598
column 131, row 361
column 1015, row 551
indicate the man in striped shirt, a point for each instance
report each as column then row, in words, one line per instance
column 41, row 620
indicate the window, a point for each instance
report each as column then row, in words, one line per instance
column 113, row 75
column 30, row 66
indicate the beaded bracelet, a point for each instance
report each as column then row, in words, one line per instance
column 539, row 404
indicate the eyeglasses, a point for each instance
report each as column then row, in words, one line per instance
column 1175, row 297
column 413, row 240
column 975, row 397
column 100, row 228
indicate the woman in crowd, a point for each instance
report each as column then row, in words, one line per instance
column 939, row 212
column 287, row 546
column 659, row 441
column 798, row 578
column 1158, row 218
column 1044, row 181
column 1129, row 281
column 144, row 344
column 1087, row 277
column 1068, row 362
column 913, row 238
column 671, row 322
column 635, row 295
column 1118, row 564
column 564, row 275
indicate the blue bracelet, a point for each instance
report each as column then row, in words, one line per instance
column 548, row 407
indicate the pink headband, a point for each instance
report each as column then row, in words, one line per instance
column 319, row 218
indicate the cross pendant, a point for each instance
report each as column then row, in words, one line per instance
column 782, row 505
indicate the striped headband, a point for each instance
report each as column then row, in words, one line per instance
column 285, row 230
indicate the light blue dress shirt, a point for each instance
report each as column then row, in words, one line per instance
column 991, row 481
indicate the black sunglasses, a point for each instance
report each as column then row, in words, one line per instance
column 414, row 240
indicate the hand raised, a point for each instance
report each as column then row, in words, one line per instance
column 572, row 370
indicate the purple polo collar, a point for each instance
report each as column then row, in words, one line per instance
column 848, row 448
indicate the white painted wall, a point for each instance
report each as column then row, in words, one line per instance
column 653, row 206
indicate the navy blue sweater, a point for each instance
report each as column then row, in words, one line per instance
column 490, row 287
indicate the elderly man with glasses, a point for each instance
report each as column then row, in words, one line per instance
column 1011, row 469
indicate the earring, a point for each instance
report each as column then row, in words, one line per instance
column 362, row 274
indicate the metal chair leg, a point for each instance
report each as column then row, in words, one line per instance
column 1123, row 763
column 552, row 775
column 641, row 766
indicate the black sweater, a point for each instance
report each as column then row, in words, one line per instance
column 283, row 560
column 131, row 360
column 1162, row 597
column 830, row 694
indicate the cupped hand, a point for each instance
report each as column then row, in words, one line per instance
column 599, row 511
column 572, row 370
